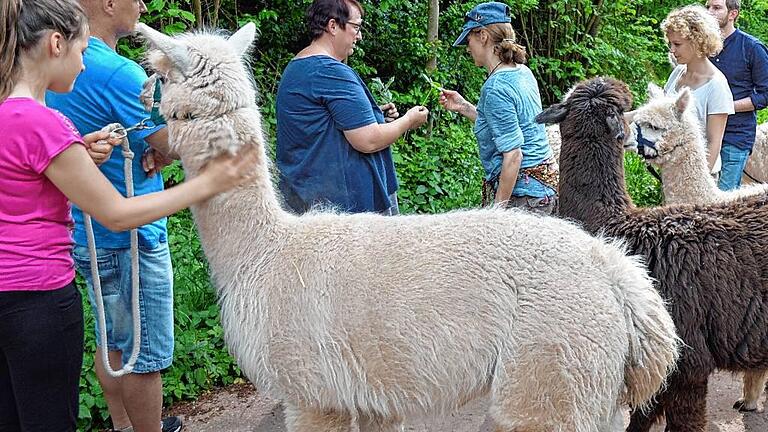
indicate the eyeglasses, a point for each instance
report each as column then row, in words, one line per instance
column 358, row 26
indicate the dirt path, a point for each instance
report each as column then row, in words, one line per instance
column 240, row 409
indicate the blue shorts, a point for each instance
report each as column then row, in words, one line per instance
column 155, row 302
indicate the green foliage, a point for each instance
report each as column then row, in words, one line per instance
column 644, row 189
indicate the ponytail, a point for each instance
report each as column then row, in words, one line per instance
column 9, row 15
column 24, row 22
column 505, row 44
column 511, row 52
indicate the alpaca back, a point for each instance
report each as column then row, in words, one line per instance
column 757, row 164
column 653, row 345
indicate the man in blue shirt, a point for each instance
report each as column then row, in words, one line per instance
column 333, row 143
column 108, row 92
column 744, row 62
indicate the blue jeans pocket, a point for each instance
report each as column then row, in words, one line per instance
column 108, row 265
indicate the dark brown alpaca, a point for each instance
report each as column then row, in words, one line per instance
column 710, row 261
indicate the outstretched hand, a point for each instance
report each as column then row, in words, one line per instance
column 228, row 171
column 417, row 116
column 452, row 100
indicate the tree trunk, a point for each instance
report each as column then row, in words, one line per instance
column 434, row 17
column 198, row 10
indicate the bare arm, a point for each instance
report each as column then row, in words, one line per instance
column 375, row 137
column 715, row 131
column 76, row 176
column 159, row 141
column 510, row 167
column 743, row 105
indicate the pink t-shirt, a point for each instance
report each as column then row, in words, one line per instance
column 35, row 220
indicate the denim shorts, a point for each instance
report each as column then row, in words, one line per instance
column 155, row 302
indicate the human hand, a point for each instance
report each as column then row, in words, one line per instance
column 228, row 171
column 390, row 112
column 99, row 144
column 452, row 100
column 154, row 161
column 417, row 116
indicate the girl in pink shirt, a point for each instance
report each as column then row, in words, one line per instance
column 44, row 165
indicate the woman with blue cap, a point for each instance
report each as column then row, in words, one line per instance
column 519, row 166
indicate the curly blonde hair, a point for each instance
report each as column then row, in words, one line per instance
column 695, row 24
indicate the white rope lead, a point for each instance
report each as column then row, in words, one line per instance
column 100, row 314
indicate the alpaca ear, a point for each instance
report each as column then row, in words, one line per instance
column 554, row 114
column 243, row 38
column 682, row 102
column 176, row 52
column 654, row 91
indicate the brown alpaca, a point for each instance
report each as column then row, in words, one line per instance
column 710, row 261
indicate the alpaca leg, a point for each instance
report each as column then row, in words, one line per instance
column 313, row 420
column 687, row 409
column 642, row 421
column 754, row 385
column 378, row 424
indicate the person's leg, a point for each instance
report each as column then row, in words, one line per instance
column 112, row 276
column 42, row 345
column 112, row 389
column 9, row 416
column 734, row 161
column 142, row 391
column 143, row 400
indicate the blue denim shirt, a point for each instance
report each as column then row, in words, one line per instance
column 509, row 102
column 744, row 62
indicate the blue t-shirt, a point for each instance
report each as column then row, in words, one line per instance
column 744, row 62
column 317, row 100
column 509, row 102
column 108, row 92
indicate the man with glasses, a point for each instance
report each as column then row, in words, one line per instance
column 333, row 141
column 744, row 62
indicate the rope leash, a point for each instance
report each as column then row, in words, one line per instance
column 118, row 131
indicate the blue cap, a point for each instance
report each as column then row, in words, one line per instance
column 482, row 15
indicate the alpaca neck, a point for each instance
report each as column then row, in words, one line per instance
column 245, row 218
column 592, row 182
column 689, row 181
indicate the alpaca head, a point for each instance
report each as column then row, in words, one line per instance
column 591, row 110
column 203, row 78
column 666, row 127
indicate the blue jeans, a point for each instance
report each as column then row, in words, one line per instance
column 155, row 302
column 734, row 161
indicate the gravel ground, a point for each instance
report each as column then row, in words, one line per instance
column 240, row 408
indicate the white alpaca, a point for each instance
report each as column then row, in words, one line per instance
column 757, row 164
column 675, row 144
column 680, row 150
column 377, row 318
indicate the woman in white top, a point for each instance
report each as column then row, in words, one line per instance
column 694, row 36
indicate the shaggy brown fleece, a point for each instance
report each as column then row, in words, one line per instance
column 710, row 261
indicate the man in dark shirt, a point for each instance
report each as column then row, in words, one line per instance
column 744, row 62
